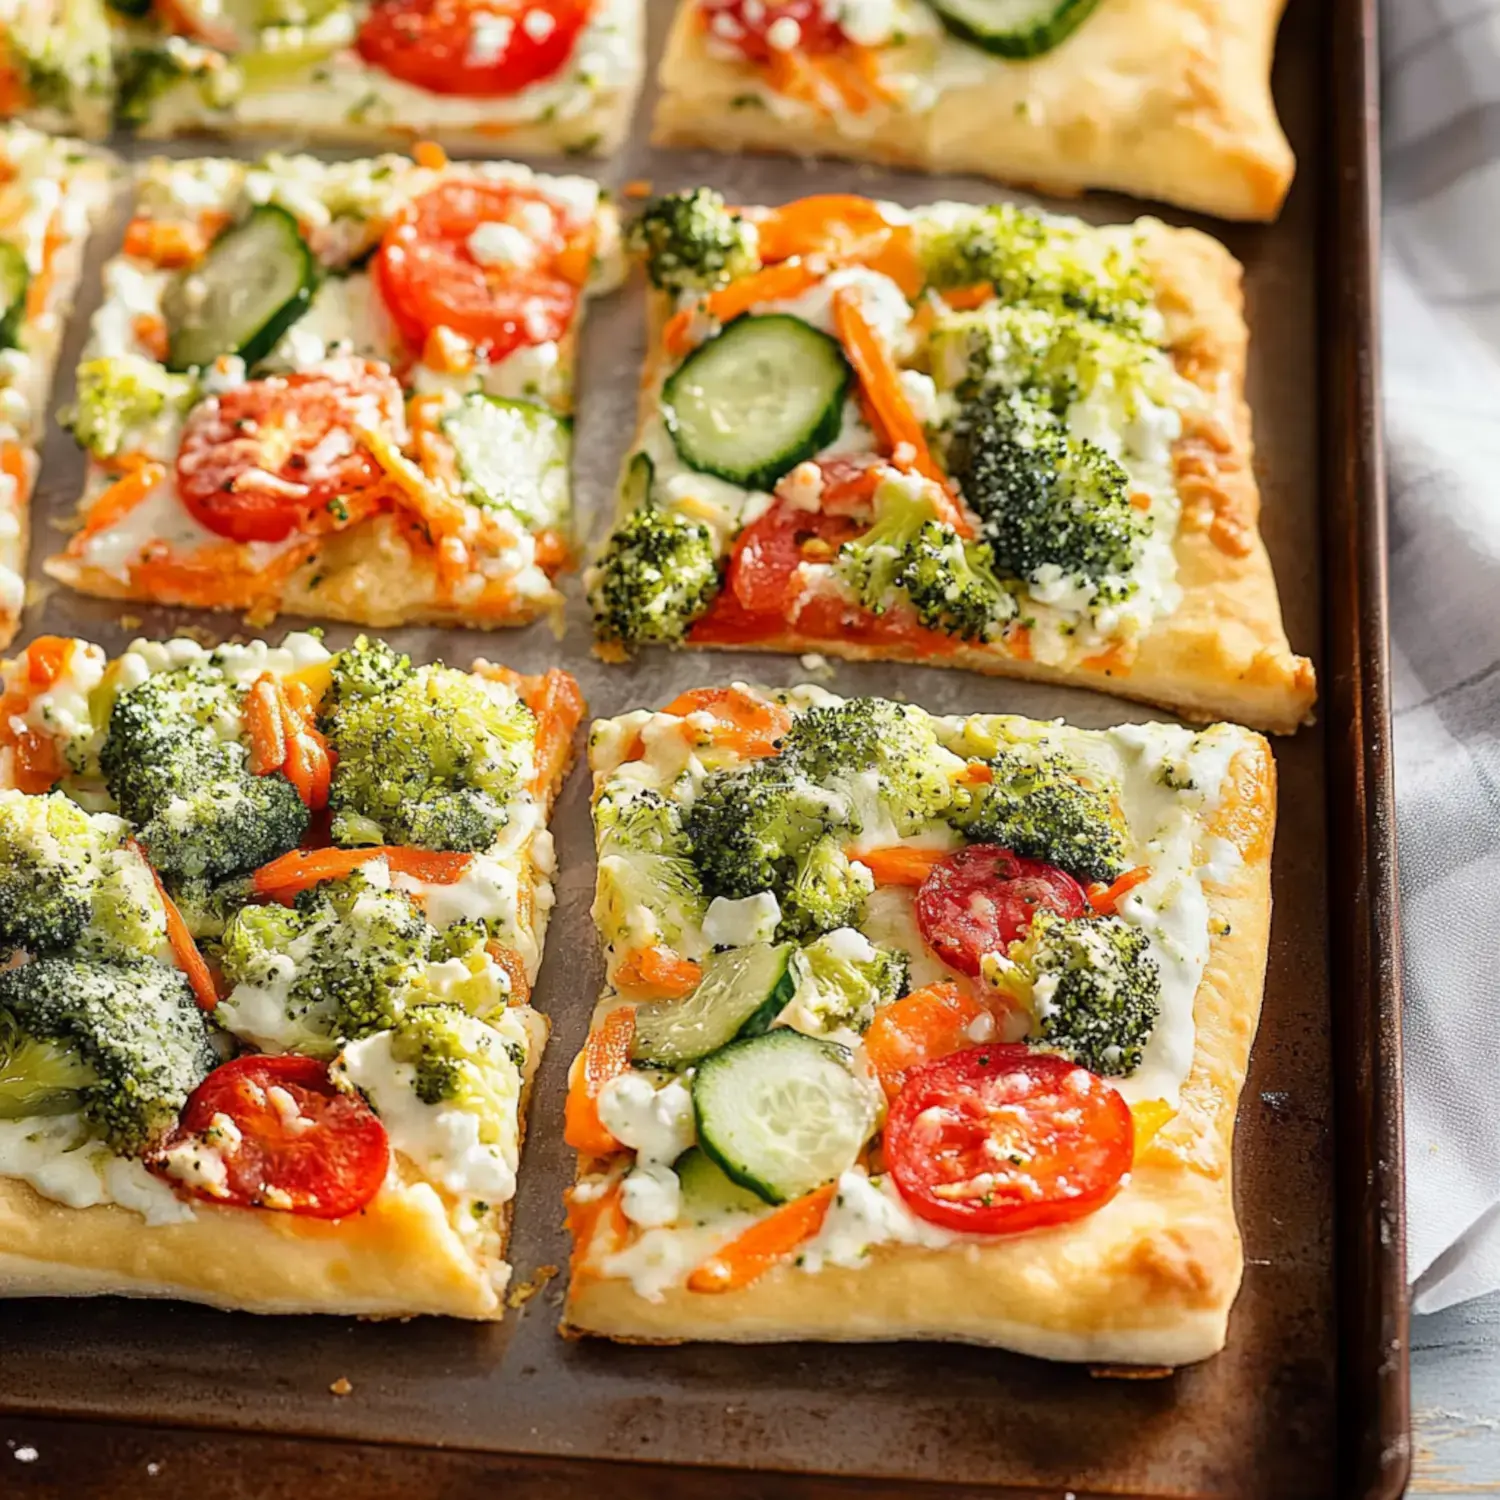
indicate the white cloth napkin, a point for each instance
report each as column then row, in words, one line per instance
column 1441, row 295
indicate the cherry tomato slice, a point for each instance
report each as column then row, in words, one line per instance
column 319, row 1151
column 1002, row 1139
column 745, row 24
column 430, row 278
column 270, row 457
column 479, row 48
column 768, row 552
column 981, row 899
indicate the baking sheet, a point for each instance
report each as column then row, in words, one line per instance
column 1257, row 1420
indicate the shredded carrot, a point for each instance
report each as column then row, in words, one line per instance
column 637, row 187
column 591, row 1218
column 966, row 298
column 657, row 972
column 881, row 384
column 976, row 773
column 514, row 965
column 1106, row 898
column 122, row 497
column 769, row 284
column 430, row 155
column 929, row 1023
column 1018, row 641
column 264, row 726
column 767, row 1241
column 1113, row 662
column 575, row 261
column 168, row 243
column 606, row 1055
column 558, row 703
column 748, row 725
column 898, row 864
column 823, row 223
column 192, row 963
column 284, row 878
column 151, row 334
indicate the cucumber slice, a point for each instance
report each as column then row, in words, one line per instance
column 707, row 1193
column 782, row 1113
column 512, row 454
column 15, row 278
column 757, row 399
column 255, row 282
column 740, row 988
column 1017, row 29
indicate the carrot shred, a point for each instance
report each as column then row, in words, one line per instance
column 750, row 1255
column 263, row 724
column 167, row 243
column 589, row 1218
column 430, row 155
column 966, row 298
column 898, row 864
column 976, row 773
column 559, row 706
column 1105, row 899
column 606, row 1055
column 194, row 966
column 929, row 1023
column 749, row 725
column 881, row 384
column 298, row 871
column 514, row 965
column 115, row 503
column 769, row 284
column 822, row 223
column 657, row 971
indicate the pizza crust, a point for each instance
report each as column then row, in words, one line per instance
column 1166, row 99
column 1223, row 653
column 1149, row 1279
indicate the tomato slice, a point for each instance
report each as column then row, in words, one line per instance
column 746, row 24
column 479, row 48
column 1002, row 1139
column 325, row 1158
column 270, row 457
column 430, row 278
column 981, row 899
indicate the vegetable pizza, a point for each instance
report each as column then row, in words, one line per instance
column 269, row 921
column 338, row 388
column 917, row 1027
column 975, row 436
column 51, row 192
column 56, row 64
column 1166, row 99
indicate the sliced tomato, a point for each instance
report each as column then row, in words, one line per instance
column 429, row 276
column 768, row 552
column 324, row 1154
column 279, row 455
column 480, row 48
column 1002, row 1139
column 981, row 899
column 746, row 24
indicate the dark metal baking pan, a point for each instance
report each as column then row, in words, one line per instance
column 1308, row 1399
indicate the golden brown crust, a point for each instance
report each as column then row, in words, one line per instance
column 1166, row 99
column 1149, row 1279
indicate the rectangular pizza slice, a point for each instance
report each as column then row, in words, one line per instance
column 917, row 1027
column 338, row 388
column 52, row 191
column 550, row 76
column 1166, row 99
column 56, row 64
column 269, row 922
column 972, row 436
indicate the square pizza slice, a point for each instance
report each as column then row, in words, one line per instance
column 56, row 64
column 545, row 76
column 917, row 1027
column 1166, row 99
column 52, row 191
column 270, row 918
column 338, row 388
column 970, row 436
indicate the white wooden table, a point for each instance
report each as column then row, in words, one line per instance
column 1455, row 1378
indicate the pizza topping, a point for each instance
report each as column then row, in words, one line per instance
column 1001, row 1139
column 286, row 1136
column 1019, row 29
column 982, row 898
column 281, row 455
column 927, row 1024
column 758, row 31
column 430, row 276
column 693, row 241
column 476, row 48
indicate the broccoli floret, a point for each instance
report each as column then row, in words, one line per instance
column 67, row 880
column 428, row 762
column 1027, row 258
column 827, row 891
column 909, row 553
column 208, row 908
column 134, row 1028
column 1050, row 506
column 173, row 765
column 145, row 74
column 343, row 962
column 1093, row 989
column 1039, row 809
column 657, row 574
column 883, row 759
column 367, row 669
column 121, row 392
column 648, row 890
column 457, row 1058
column 39, row 1077
column 841, row 980
column 692, row 242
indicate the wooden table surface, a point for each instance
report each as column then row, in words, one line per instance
column 1456, row 1446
